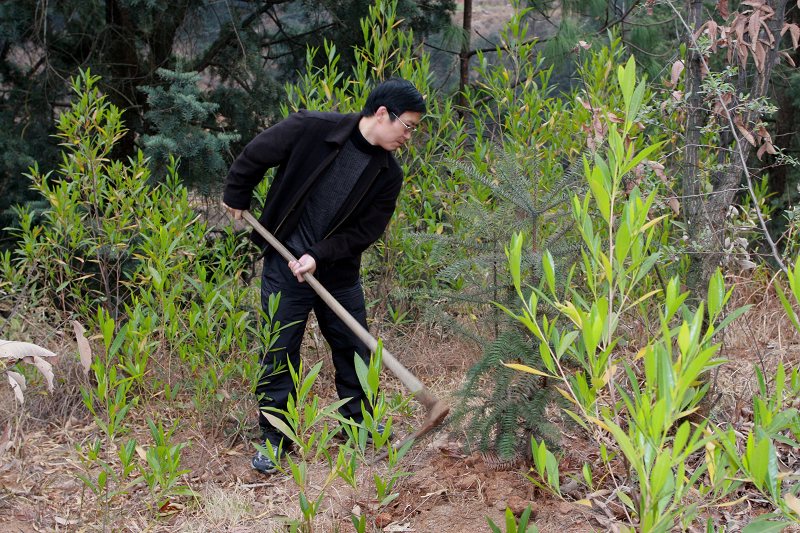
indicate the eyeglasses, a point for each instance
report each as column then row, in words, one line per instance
column 410, row 129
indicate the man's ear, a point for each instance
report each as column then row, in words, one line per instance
column 382, row 112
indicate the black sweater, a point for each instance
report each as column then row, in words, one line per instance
column 302, row 147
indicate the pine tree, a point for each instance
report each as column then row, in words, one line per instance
column 500, row 408
column 183, row 122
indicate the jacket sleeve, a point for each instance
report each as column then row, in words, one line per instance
column 268, row 149
column 365, row 226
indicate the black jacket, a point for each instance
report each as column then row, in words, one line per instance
column 302, row 146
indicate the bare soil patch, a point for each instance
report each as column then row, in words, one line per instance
column 448, row 489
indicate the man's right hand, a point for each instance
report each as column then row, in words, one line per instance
column 235, row 213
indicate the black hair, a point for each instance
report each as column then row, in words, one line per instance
column 397, row 95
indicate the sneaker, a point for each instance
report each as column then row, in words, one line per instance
column 263, row 464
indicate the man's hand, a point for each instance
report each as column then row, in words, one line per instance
column 235, row 213
column 305, row 264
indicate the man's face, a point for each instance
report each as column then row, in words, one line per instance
column 394, row 130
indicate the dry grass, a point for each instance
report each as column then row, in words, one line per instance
column 448, row 491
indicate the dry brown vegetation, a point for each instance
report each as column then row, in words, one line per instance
column 448, row 489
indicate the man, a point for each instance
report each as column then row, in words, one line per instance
column 332, row 196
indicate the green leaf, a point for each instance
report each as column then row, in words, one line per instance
column 511, row 521
column 661, row 475
column 626, row 76
column 640, row 156
column 623, row 244
column 523, row 519
column 625, row 444
column 118, row 340
column 514, row 255
column 281, row 426
column 681, row 437
column 549, row 271
column 362, row 372
column 787, row 306
column 565, row 342
column 493, row 526
column 765, row 524
column 602, row 199
column 547, row 358
column 636, row 102
column 733, row 315
column 716, row 293
column 552, row 471
column 624, row 498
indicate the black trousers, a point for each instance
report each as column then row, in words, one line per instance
column 296, row 302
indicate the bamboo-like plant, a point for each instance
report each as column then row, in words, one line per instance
column 646, row 408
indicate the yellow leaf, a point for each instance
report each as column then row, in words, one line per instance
column 688, row 412
column 651, row 223
column 598, row 422
column 568, row 308
column 526, row 368
column 585, row 502
column 733, row 503
column 566, row 395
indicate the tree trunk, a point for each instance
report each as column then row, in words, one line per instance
column 695, row 118
column 119, row 53
column 785, row 118
column 706, row 213
column 465, row 53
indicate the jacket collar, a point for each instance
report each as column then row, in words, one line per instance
column 342, row 131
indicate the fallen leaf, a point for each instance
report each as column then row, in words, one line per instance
column 793, row 502
column 382, row 520
column 753, row 25
column 677, row 69
column 84, row 349
column 794, row 31
column 5, row 440
column 170, row 507
column 16, row 350
column 767, row 147
column 46, row 369
column 759, row 56
column 17, row 382
column 141, row 452
column 397, row 527
column 674, row 205
column 746, row 264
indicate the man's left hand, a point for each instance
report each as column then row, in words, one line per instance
column 306, row 264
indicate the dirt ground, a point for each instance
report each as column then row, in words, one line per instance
column 447, row 489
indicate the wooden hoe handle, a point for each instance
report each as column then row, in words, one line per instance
column 403, row 374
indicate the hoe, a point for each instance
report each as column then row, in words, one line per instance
column 436, row 409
